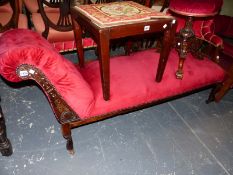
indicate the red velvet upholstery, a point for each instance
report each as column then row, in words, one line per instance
column 224, row 25
column 24, row 46
column 132, row 77
column 224, row 28
column 196, row 7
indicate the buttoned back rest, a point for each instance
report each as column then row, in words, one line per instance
column 13, row 22
column 64, row 23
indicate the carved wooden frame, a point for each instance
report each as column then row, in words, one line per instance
column 62, row 110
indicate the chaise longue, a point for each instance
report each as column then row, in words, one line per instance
column 75, row 93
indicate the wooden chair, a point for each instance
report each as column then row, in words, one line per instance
column 11, row 16
column 56, row 27
column 31, row 6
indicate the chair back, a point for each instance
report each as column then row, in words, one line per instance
column 13, row 22
column 64, row 23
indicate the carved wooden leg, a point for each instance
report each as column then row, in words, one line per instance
column 226, row 86
column 5, row 145
column 214, row 90
column 186, row 33
column 66, row 132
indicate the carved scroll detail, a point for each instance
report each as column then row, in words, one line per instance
column 62, row 110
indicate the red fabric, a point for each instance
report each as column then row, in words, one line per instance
column 132, row 77
column 196, row 7
column 22, row 46
column 224, row 25
column 228, row 49
column 70, row 45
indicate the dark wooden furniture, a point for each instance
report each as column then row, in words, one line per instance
column 187, row 40
column 103, row 35
column 63, row 24
column 53, row 22
column 5, row 145
column 13, row 22
column 75, row 95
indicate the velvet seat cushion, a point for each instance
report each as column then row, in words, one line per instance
column 5, row 17
column 132, row 78
column 21, row 46
column 196, row 8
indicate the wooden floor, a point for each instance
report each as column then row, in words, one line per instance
column 181, row 137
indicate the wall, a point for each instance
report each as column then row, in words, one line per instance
column 227, row 8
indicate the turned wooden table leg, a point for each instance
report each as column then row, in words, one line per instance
column 168, row 38
column 5, row 145
column 103, row 48
column 78, row 40
column 185, row 33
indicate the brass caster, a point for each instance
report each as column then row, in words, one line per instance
column 71, row 152
column 179, row 75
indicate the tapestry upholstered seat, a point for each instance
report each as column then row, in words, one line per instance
column 75, row 94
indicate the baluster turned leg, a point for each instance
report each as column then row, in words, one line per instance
column 186, row 33
column 5, row 145
column 66, row 132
